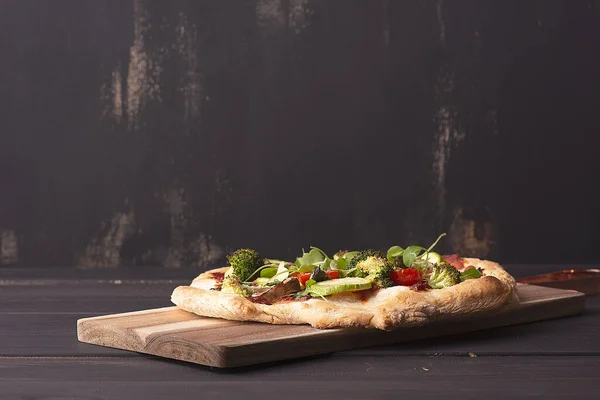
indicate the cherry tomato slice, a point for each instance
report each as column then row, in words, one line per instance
column 406, row 276
column 333, row 274
column 302, row 277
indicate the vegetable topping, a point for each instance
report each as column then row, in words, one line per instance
column 374, row 266
column 443, row 276
column 244, row 263
column 407, row 276
column 315, row 274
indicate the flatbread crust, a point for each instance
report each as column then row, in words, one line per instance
column 385, row 309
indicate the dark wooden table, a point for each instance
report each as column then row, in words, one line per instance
column 40, row 357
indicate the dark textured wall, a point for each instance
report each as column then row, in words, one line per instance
column 152, row 132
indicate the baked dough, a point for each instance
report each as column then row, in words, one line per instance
column 385, row 309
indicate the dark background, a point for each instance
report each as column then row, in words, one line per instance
column 170, row 132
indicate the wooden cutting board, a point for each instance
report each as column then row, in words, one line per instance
column 173, row 333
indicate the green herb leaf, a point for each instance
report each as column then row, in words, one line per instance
column 304, row 268
column 410, row 254
column 338, row 264
column 261, row 269
column 281, row 273
column 341, row 262
column 313, row 257
column 325, row 256
column 472, row 273
column 413, row 252
column 268, row 272
column 434, row 243
column 393, row 252
column 326, row 263
column 310, row 282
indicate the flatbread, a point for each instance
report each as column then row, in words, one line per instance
column 385, row 309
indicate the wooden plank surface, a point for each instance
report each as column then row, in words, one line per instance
column 549, row 359
column 84, row 297
column 173, row 333
column 335, row 376
column 54, row 334
column 30, row 326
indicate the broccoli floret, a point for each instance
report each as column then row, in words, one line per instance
column 363, row 255
column 244, row 262
column 443, row 275
column 381, row 276
column 232, row 284
column 374, row 266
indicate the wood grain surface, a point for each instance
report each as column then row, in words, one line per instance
column 40, row 357
column 173, row 333
column 331, row 377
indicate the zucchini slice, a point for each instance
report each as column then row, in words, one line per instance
column 333, row 286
